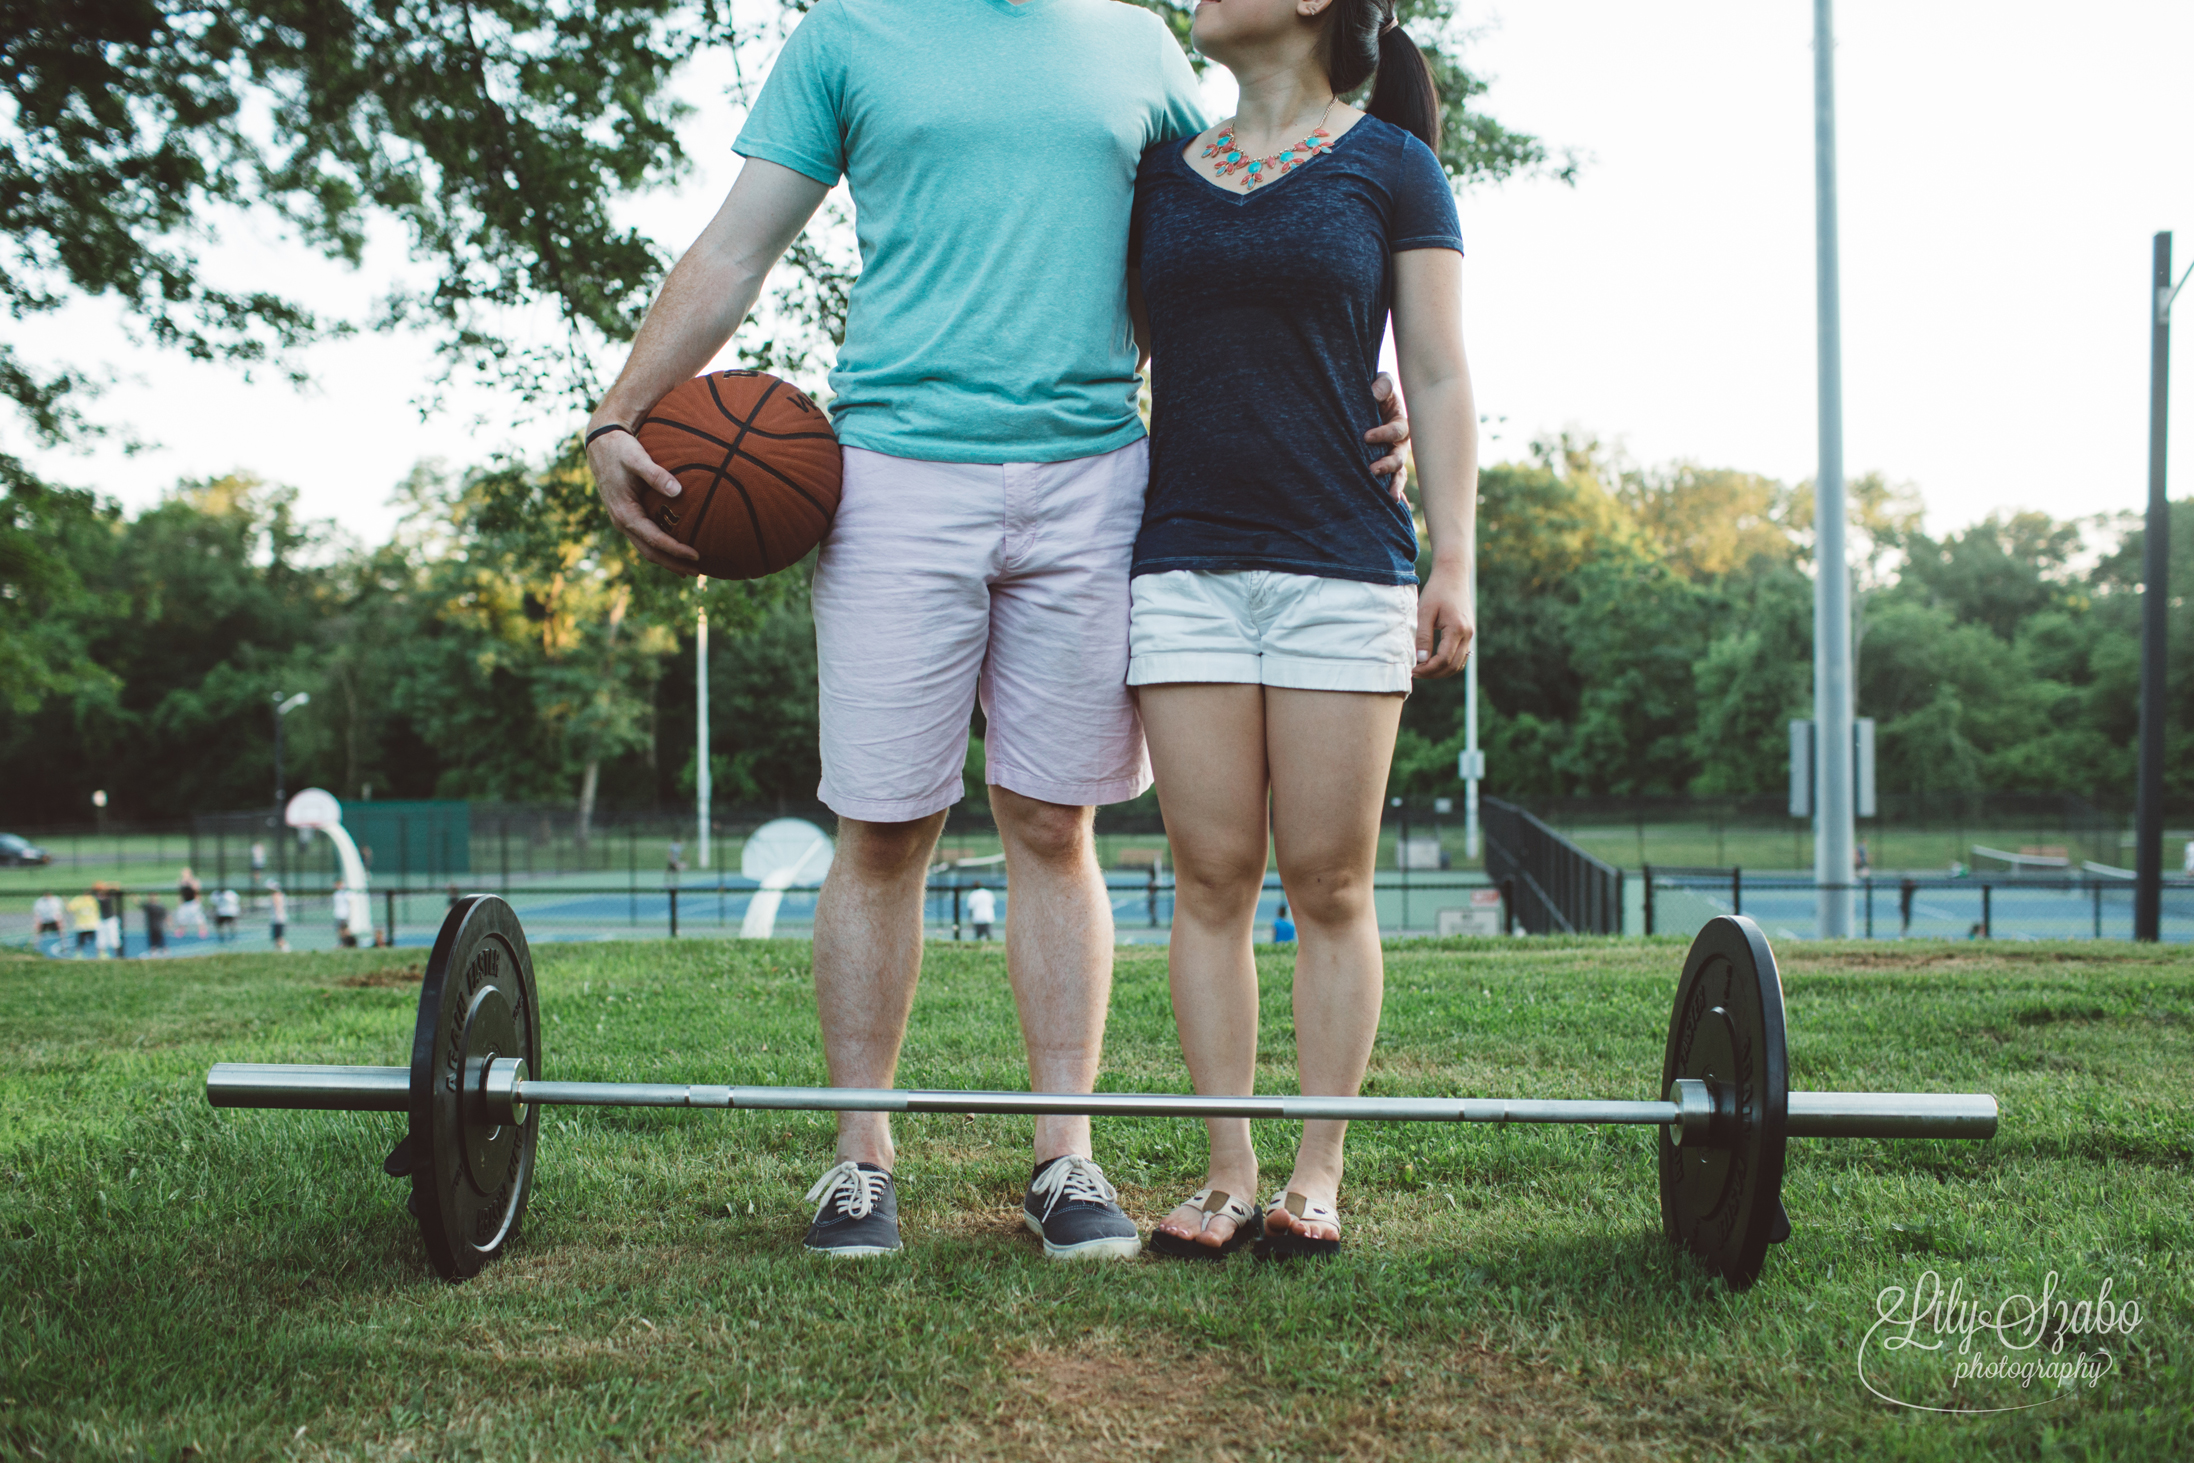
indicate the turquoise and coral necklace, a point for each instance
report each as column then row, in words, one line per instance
column 1262, row 169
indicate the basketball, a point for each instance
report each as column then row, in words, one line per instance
column 759, row 465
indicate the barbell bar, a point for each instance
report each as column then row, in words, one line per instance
column 388, row 1089
column 472, row 1098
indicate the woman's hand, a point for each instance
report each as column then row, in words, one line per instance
column 1445, row 629
column 1391, row 433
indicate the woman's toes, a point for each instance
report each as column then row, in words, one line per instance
column 1212, row 1234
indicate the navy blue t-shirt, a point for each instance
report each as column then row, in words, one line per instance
column 1267, row 309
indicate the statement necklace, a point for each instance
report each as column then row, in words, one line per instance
column 1262, row 169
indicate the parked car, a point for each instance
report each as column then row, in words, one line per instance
column 14, row 850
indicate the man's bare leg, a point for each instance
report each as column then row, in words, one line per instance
column 868, row 956
column 1058, row 952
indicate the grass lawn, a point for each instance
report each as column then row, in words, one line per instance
column 180, row 1283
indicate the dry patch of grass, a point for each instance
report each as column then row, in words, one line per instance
column 390, row 977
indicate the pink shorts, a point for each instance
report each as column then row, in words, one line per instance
column 944, row 581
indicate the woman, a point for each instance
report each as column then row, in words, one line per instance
column 1277, row 619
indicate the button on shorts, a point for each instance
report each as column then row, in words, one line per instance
column 1266, row 628
column 942, row 583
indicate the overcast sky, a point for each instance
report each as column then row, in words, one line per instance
column 2003, row 166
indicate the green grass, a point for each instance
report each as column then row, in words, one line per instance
column 177, row 1282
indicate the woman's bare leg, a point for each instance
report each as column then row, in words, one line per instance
column 1329, row 752
column 1207, row 751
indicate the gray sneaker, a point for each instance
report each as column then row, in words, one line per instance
column 1074, row 1209
column 856, row 1213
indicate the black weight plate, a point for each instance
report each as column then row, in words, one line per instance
column 1722, row 1199
column 470, row 1177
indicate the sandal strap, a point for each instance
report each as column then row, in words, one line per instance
column 1302, row 1208
column 1213, row 1201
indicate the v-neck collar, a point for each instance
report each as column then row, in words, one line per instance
column 1263, row 190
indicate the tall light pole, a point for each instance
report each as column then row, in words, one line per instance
column 1472, row 764
column 1833, row 810
column 701, row 789
column 2148, row 836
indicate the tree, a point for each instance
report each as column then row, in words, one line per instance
column 498, row 134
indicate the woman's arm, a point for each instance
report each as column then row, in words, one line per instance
column 1428, row 346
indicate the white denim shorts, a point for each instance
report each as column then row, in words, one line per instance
column 1265, row 628
column 944, row 581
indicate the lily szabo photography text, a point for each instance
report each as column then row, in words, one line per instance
column 2024, row 1350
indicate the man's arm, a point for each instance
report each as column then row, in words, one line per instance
column 703, row 301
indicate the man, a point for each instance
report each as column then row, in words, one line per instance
column 339, row 905
column 994, row 476
column 110, row 898
column 48, row 911
column 277, row 915
column 156, row 925
column 227, row 907
column 982, row 912
column 84, row 916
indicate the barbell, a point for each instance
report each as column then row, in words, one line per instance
column 474, row 1101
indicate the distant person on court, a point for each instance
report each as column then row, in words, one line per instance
column 985, row 398
column 110, row 920
column 982, row 912
column 340, row 901
column 156, row 924
column 277, row 915
column 227, row 909
column 1283, row 928
column 84, row 917
column 46, row 912
column 190, row 909
column 1278, row 618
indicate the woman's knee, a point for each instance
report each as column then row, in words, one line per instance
column 1218, row 888
column 1329, row 897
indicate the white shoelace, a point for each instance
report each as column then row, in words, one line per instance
column 1072, row 1179
column 863, row 1189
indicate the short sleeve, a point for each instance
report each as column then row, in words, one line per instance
column 1180, row 100
column 1424, row 204
column 798, row 120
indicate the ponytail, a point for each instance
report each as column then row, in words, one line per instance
column 1404, row 93
column 1362, row 37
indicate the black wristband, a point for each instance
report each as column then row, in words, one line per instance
column 606, row 430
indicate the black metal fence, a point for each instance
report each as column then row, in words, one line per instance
column 1906, row 906
column 1551, row 886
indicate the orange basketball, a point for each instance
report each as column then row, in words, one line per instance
column 759, row 465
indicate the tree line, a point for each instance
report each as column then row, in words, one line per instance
column 1643, row 632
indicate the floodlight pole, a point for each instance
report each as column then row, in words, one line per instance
column 1833, row 831
column 701, row 787
column 2148, row 836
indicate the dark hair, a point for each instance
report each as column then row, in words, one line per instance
column 1363, row 37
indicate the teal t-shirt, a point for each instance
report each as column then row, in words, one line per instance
column 991, row 150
